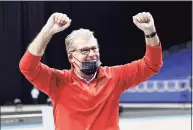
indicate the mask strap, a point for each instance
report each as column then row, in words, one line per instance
column 76, row 59
column 77, row 65
column 75, row 62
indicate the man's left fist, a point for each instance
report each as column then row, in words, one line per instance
column 145, row 22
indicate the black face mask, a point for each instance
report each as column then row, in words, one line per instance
column 89, row 67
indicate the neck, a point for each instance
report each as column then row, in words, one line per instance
column 82, row 75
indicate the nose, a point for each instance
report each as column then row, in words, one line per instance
column 92, row 54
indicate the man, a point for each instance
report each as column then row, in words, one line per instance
column 86, row 97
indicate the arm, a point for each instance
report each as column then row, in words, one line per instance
column 38, row 74
column 134, row 73
column 39, row 44
column 56, row 23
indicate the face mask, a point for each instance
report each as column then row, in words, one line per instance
column 89, row 67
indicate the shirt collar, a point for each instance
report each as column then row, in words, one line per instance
column 99, row 74
column 85, row 79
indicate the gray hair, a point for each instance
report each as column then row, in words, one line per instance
column 83, row 33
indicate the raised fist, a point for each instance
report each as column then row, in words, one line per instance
column 145, row 22
column 58, row 22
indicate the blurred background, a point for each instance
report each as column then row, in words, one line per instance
column 169, row 93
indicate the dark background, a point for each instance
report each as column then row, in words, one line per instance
column 119, row 39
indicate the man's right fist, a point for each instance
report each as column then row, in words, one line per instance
column 58, row 22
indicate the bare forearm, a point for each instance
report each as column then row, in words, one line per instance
column 152, row 41
column 38, row 45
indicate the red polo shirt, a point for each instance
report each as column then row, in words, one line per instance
column 79, row 105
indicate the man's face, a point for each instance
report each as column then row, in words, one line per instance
column 85, row 50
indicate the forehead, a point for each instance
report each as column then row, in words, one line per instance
column 85, row 43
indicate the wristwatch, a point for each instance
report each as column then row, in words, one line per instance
column 151, row 35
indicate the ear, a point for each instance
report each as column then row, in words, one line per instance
column 70, row 58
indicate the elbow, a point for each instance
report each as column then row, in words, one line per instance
column 29, row 62
column 22, row 66
column 26, row 66
column 27, row 72
column 154, row 63
column 154, row 67
column 159, row 66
